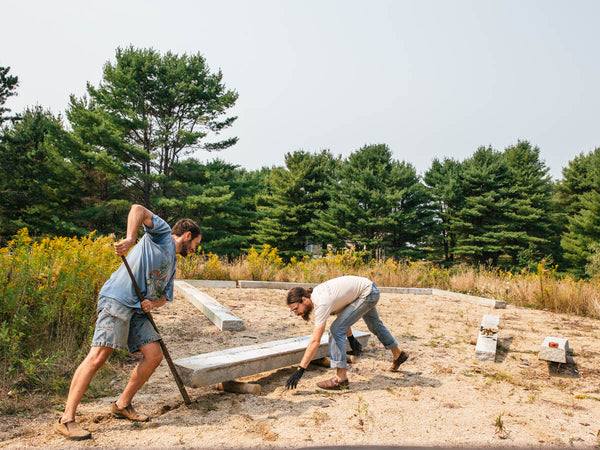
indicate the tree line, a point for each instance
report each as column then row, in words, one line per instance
column 132, row 138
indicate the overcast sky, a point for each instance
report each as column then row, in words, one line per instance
column 431, row 79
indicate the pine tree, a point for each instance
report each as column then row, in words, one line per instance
column 577, row 196
column 148, row 112
column 443, row 180
column 483, row 234
column 295, row 195
column 39, row 177
column 583, row 232
column 8, row 86
column 378, row 205
column 220, row 196
column 532, row 214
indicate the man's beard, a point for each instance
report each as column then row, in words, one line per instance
column 185, row 248
column 306, row 315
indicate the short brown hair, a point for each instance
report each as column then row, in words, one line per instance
column 184, row 225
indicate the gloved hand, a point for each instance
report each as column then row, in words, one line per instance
column 292, row 381
column 356, row 347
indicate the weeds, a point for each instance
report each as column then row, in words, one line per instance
column 501, row 430
column 319, row 417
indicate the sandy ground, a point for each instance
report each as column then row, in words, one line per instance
column 441, row 397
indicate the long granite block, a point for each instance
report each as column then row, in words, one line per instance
column 213, row 310
column 248, row 284
column 225, row 365
column 498, row 304
column 212, row 283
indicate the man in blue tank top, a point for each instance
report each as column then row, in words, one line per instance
column 122, row 321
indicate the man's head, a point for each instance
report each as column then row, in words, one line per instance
column 187, row 235
column 299, row 302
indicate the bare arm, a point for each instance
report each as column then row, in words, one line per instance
column 313, row 345
column 148, row 305
column 137, row 215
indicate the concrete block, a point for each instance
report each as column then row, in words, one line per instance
column 555, row 349
column 212, row 283
column 272, row 284
column 485, row 350
column 225, row 365
column 498, row 304
column 403, row 290
column 213, row 310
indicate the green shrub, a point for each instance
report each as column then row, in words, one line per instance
column 48, row 296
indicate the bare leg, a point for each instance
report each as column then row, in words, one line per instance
column 152, row 356
column 341, row 373
column 395, row 352
column 82, row 377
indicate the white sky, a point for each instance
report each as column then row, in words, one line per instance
column 427, row 78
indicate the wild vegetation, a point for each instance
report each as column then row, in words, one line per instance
column 48, row 296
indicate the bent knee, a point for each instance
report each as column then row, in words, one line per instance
column 98, row 356
column 154, row 358
column 152, row 353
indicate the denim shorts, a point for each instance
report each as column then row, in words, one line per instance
column 121, row 327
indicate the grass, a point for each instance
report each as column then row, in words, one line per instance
column 501, row 430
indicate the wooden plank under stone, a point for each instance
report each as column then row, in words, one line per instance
column 225, row 365
column 213, row 310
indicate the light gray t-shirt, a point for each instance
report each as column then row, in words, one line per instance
column 152, row 261
column 333, row 295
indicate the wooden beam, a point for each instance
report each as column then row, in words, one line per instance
column 225, row 365
column 213, row 310
column 239, row 387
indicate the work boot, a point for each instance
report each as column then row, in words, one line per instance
column 72, row 430
column 128, row 413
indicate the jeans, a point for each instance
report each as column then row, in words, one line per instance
column 361, row 307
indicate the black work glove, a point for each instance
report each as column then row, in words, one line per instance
column 292, row 381
column 355, row 345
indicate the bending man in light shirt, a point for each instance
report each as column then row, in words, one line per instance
column 350, row 298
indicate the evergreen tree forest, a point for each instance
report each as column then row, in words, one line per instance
column 135, row 138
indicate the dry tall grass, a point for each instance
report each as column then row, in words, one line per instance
column 542, row 289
